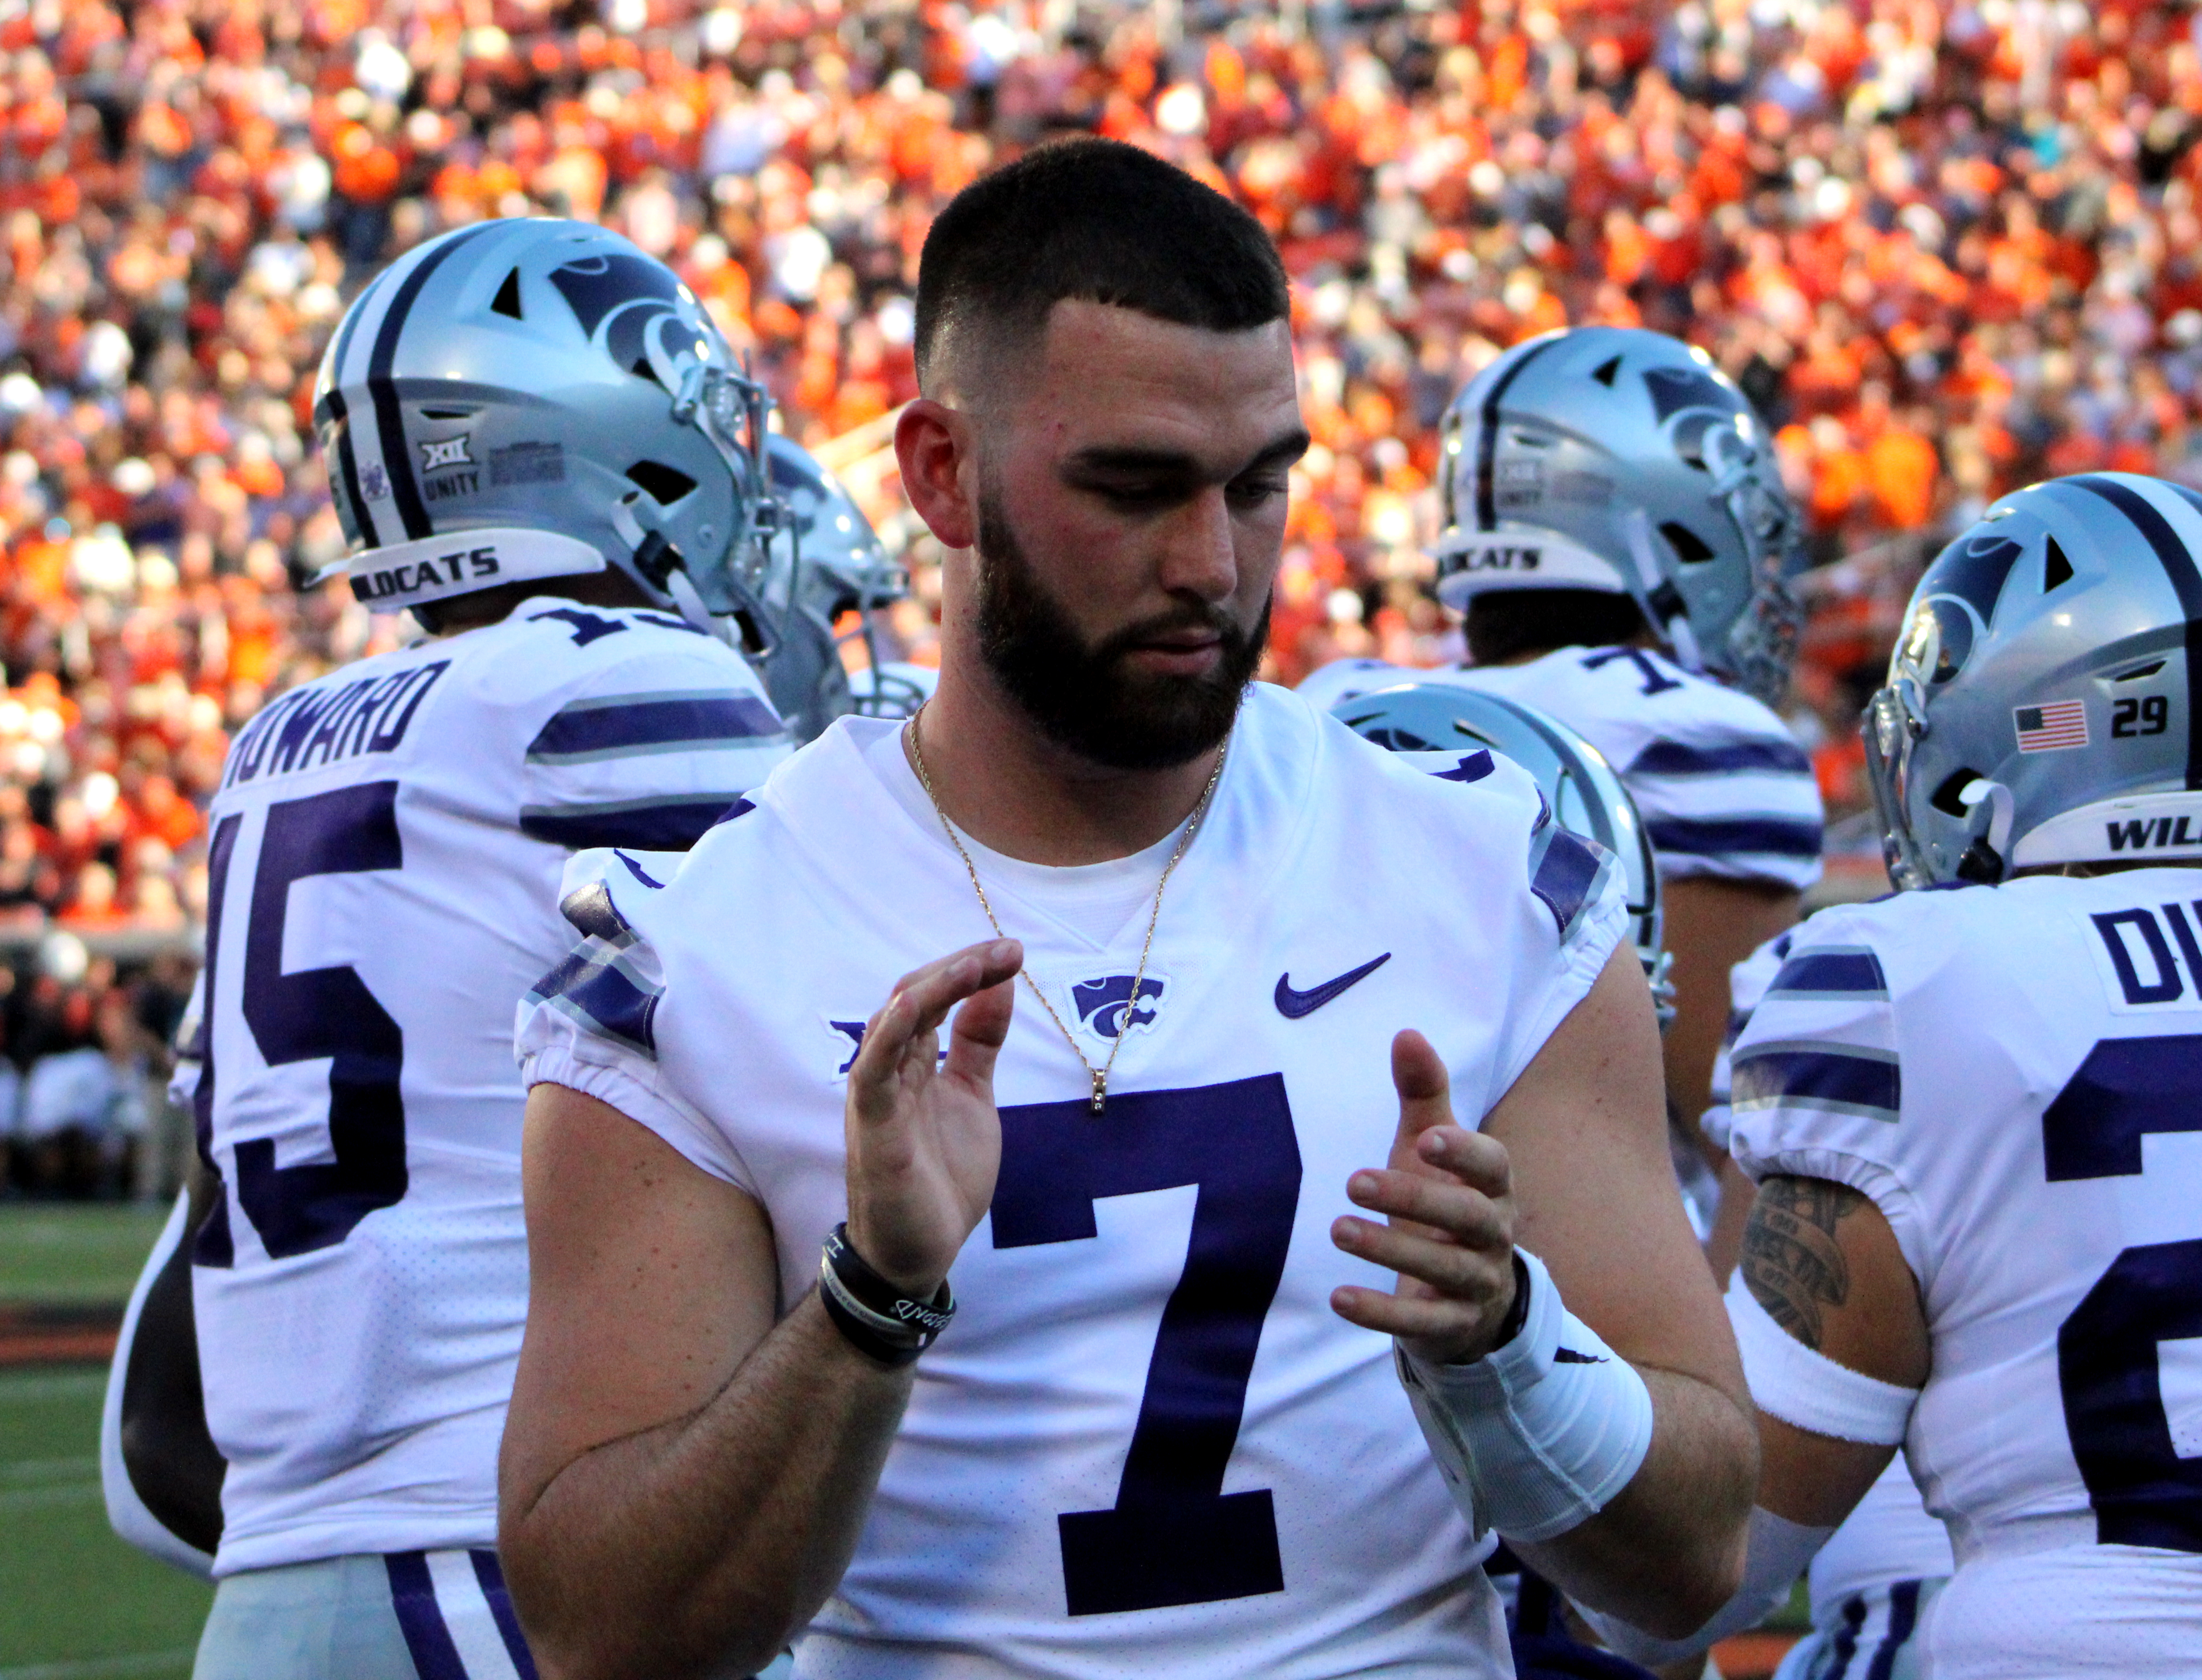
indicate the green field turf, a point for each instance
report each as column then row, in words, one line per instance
column 75, row 1602
column 76, row 1253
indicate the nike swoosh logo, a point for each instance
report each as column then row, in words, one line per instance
column 1293, row 1004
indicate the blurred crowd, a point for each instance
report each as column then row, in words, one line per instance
column 1948, row 247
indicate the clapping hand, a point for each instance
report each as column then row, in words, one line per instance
column 924, row 1137
column 1447, row 1196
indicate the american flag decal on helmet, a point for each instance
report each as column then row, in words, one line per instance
column 2050, row 725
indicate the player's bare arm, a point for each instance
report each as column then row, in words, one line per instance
column 683, row 1480
column 1820, row 1259
column 1572, row 1164
column 1712, row 925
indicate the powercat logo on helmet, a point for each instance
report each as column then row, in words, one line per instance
column 606, row 287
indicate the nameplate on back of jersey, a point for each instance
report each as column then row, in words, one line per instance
column 2149, row 957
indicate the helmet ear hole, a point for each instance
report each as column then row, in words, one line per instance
column 664, row 485
column 1945, row 799
column 2056, row 569
column 1689, row 547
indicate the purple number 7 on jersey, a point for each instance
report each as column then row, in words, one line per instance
column 1174, row 1537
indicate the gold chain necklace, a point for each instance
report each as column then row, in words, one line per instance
column 1100, row 1074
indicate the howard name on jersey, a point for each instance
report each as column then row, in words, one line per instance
column 382, row 885
column 1723, row 788
column 2010, row 1074
column 1147, row 1445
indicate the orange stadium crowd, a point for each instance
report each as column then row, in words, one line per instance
column 1946, row 248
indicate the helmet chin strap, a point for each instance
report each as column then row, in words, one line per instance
column 1662, row 599
column 1996, row 840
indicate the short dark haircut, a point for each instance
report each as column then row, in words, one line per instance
column 1504, row 624
column 1101, row 222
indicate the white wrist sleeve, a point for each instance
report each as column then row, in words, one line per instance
column 1805, row 1387
column 1780, row 1550
column 1537, row 1436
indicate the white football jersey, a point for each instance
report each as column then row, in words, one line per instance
column 1722, row 786
column 1343, row 680
column 2012, row 1075
column 383, row 877
column 1146, row 1445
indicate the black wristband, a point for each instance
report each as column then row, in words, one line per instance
column 1518, row 1314
column 879, row 1320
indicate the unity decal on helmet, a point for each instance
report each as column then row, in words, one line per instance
column 444, row 453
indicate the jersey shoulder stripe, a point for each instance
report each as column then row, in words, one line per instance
column 607, row 983
column 1723, row 789
column 669, row 823
column 1566, row 874
column 1664, row 757
column 1831, row 971
column 616, row 726
column 1840, row 1079
column 1708, row 837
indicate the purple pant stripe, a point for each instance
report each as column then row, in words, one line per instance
column 412, row 1597
column 500, row 1606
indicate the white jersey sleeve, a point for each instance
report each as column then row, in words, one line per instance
column 648, row 749
column 590, row 1023
column 1724, row 790
column 2011, row 1075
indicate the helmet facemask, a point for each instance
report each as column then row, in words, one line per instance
column 714, row 394
column 1761, row 642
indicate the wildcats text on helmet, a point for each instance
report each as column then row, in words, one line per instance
column 465, row 565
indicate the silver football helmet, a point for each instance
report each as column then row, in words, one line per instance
column 2040, row 701
column 1619, row 460
column 1442, row 726
column 824, row 560
column 533, row 397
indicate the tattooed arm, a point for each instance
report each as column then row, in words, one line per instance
column 1822, row 1260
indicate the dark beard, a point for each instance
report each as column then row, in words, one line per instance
column 1087, row 699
